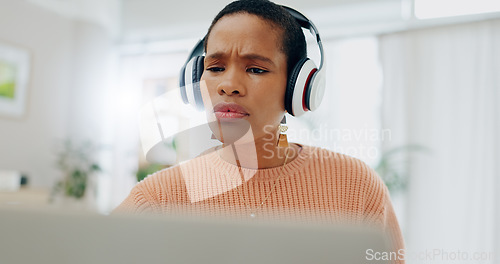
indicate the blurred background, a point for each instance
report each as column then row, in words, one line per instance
column 413, row 89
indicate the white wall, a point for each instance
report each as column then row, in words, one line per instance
column 146, row 21
column 89, row 95
column 152, row 20
column 67, row 61
column 27, row 143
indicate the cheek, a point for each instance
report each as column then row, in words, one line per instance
column 270, row 101
column 274, row 96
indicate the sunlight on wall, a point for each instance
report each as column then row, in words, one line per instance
column 425, row 9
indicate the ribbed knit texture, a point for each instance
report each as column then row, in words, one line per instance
column 318, row 185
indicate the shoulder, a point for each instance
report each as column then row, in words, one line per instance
column 341, row 163
column 161, row 186
column 148, row 194
column 174, row 179
column 347, row 170
column 158, row 178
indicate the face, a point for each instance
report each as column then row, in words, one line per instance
column 245, row 74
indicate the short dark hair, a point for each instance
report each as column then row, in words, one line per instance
column 293, row 40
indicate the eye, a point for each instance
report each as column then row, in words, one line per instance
column 215, row 69
column 256, row 70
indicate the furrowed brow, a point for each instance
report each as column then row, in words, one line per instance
column 215, row 56
column 251, row 56
column 259, row 57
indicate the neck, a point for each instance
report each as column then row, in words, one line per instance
column 260, row 153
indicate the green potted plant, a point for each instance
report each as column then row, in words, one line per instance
column 77, row 164
column 393, row 166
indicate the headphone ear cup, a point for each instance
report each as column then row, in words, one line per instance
column 198, row 68
column 182, row 84
column 298, row 88
column 292, row 79
column 190, row 82
column 316, row 90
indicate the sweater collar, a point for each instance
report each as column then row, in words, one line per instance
column 292, row 167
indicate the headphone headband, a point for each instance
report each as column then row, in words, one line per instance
column 198, row 49
column 304, row 22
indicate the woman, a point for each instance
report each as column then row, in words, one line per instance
column 251, row 49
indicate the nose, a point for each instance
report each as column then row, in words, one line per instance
column 231, row 83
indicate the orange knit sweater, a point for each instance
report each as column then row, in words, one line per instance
column 318, row 185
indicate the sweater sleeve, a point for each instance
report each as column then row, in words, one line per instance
column 379, row 211
column 391, row 226
column 135, row 203
column 143, row 198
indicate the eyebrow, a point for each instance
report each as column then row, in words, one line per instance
column 250, row 56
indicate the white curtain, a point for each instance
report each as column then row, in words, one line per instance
column 346, row 122
column 442, row 90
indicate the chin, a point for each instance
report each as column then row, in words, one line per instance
column 231, row 131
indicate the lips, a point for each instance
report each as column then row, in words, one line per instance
column 225, row 110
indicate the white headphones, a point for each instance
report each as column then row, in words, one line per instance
column 305, row 86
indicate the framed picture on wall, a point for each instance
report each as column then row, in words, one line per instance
column 14, row 78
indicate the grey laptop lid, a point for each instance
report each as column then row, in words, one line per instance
column 61, row 237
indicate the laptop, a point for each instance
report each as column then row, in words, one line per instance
column 43, row 237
